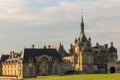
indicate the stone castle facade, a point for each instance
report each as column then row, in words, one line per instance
column 55, row 60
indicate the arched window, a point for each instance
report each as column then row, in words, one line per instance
column 44, row 62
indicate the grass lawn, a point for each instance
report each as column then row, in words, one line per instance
column 80, row 77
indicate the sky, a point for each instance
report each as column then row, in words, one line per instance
column 49, row 22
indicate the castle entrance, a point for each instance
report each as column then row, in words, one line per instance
column 44, row 66
column 112, row 70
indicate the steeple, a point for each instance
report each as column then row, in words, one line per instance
column 82, row 24
column 82, row 37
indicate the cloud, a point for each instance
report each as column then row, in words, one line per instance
column 10, row 6
column 97, row 14
column 16, row 10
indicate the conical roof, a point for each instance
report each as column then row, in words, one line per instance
column 82, row 37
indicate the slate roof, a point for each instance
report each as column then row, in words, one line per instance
column 62, row 52
column 29, row 52
column 83, row 37
column 4, row 57
column 101, row 48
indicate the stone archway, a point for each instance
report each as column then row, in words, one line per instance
column 112, row 69
column 44, row 66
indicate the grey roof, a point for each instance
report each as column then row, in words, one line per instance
column 101, row 48
column 4, row 57
column 83, row 37
column 62, row 52
column 29, row 52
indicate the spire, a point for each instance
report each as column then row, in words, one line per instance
column 82, row 37
column 82, row 24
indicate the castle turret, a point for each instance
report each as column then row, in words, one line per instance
column 112, row 49
column 82, row 38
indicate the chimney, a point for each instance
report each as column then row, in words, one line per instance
column 12, row 54
column 32, row 46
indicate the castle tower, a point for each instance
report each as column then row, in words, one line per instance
column 82, row 51
column 82, row 36
column 82, row 40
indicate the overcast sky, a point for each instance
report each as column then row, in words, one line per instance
column 44, row 22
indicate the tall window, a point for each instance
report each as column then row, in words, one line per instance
column 11, row 72
column 50, row 69
column 31, row 70
column 20, row 72
column 37, row 69
column 15, row 72
column 5, row 72
column 56, row 70
column 44, row 65
column 11, row 66
column 15, row 65
column 8, row 72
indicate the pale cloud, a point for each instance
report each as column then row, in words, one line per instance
column 66, row 10
column 10, row 6
column 46, row 15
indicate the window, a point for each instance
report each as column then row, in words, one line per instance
column 11, row 66
column 37, row 69
column 56, row 70
column 5, row 72
column 11, row 72
column 20, row 72
column 31, row 70
column 15, row 72
column 30, row 64
column 50, row 69
column 8, row 72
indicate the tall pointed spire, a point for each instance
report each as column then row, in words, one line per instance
column 82, row 37
column 82, row 24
